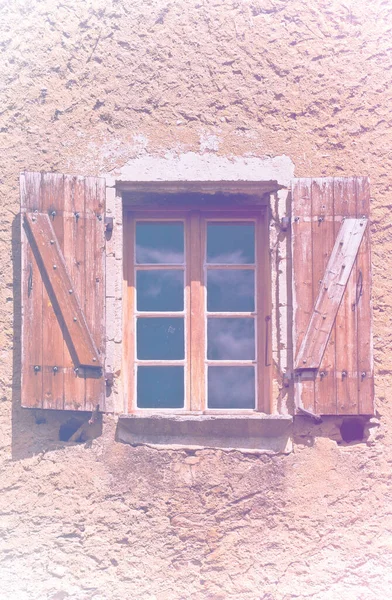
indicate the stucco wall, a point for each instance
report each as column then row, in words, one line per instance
column 87, row 87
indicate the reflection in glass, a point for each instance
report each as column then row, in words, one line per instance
column 231, row 290
column 231, row 243
column 160, row 387
column 159, row 243
column 231, row 387
column 230, row 339
column 160, row 290
column 160, row 338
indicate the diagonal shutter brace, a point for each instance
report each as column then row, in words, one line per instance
column 60, row 288
column 331, row 293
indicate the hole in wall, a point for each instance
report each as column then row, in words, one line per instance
column 352, row 430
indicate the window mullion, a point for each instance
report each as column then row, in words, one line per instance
column 196, row 366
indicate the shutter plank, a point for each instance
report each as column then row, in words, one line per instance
column 52, row 336
column 323, row 226
column 363, row 299
column 332, row 288
column 95, row 280
column 346, row 319
column 31, row 283
column 303, row 281
column 59, row 281
column 74, row 255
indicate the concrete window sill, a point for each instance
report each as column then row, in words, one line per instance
column 256, row 432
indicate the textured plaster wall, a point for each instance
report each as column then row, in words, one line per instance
column 85, row 88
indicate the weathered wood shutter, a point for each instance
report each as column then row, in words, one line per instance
column 332, row 319
column 63, row 291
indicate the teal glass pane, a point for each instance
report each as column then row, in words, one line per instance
column 230, row 290
column 160, row 387
column 230, row 339
column 160, row 338
column 160, row 290
column 231, row 387
column 230, row 243
column 159, row 243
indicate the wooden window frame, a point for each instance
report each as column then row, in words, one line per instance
column 195, row 220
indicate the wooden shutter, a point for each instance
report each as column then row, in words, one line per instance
column 332, row 319
column 63, row 291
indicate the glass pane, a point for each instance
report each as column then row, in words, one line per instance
column 159, row 243
column 231, row 339
column 231, row 290
column 160, row 387
column 230, row 243
column 160, row 339
column 231, row 387
column 160, row 290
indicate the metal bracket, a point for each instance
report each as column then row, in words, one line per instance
column 287, row 378
column 109, row 379
column 109, row 222
column 285, row 224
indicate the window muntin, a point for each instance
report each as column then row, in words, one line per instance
column 179, row 315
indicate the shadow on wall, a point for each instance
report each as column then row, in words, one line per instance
column 36, row 431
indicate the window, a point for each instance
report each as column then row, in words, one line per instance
column 197, row 301
column 197, row 312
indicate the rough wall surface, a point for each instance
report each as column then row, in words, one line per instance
column 87, row 86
